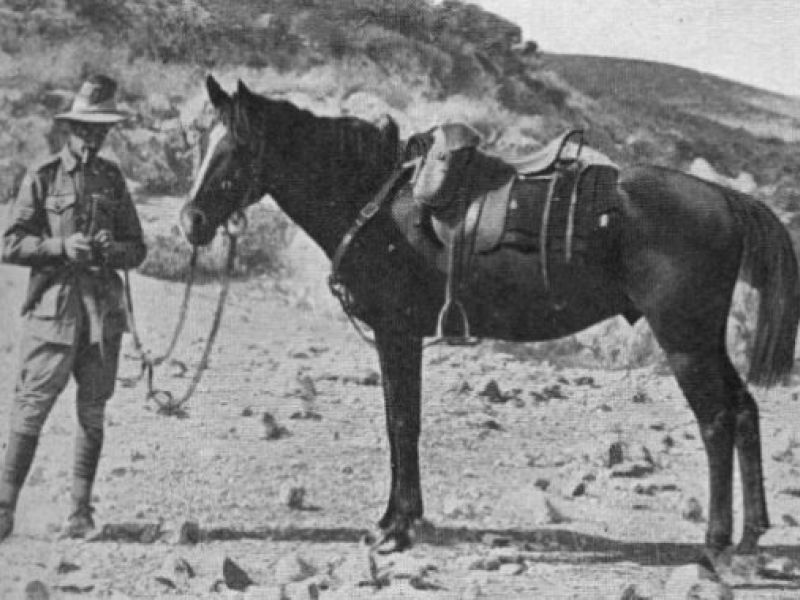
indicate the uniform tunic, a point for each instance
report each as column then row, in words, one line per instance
column 74, row 316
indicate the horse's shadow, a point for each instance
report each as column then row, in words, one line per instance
column 549, row 545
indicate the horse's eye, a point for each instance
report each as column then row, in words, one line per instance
column 226, row 185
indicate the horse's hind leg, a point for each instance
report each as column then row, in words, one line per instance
column 748, row 446
column 701, row 376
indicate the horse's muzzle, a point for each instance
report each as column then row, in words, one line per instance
column 194, row 223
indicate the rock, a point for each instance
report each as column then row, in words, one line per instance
column 616, row 454
column 234, row 576
column 636, row 591
column 293, row 496
column 511, row 569
column 36, row 590
column 694, row 582
column 693, row 511
column 292, row 568
column 491, row 391
column 272, row 430
column 189, row 533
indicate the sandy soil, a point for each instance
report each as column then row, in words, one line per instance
column 520, row 496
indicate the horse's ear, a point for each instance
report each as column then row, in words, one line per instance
column 219, row 97
column 243, row 90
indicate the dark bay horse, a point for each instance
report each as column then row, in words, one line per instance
column 678, row 248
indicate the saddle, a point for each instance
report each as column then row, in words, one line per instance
column 550, row 202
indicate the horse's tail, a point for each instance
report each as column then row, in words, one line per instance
column 769, row 265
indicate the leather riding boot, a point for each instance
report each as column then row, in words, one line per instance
column 88, row 445
column 19, row 457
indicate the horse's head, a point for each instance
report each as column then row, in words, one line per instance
column 232, row 173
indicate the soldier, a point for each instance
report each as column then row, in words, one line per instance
column 73, row 223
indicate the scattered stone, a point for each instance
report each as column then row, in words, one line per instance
column 189, row 533
column 64, row 566
column 789, row 520
column 542, row 484
column 36, row 590
column 668, row 442
column 234, row 576
column 76, row 582
column 635, row 470
column 247, row 412
column 493, row 394
column 585, row 381
column 695, row 582
column 636, row 591
column 693, row 511
column 293, row 496
column 292, row 568
column 641, row 397
column 616, row 454
column 272, row 430
column 511, row 569
column 652, row 489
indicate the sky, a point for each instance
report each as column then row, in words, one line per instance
column 752, row 41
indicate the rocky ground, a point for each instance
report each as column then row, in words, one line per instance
column 540, row 481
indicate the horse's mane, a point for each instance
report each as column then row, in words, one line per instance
column 349, row 144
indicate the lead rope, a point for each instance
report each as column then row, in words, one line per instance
column 164, row 399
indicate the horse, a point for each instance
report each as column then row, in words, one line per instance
column 677, row 248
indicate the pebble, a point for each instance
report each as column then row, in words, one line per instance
column 693, row 510
column 293, row 496
column 189, row 533
column 36, row 590
column 234, row 576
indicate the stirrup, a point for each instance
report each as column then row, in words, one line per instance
column 466, row 338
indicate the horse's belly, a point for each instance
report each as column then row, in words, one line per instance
column 506, row 296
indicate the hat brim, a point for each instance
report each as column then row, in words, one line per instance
column 105, row 117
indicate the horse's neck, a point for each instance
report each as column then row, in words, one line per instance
column 320, row 195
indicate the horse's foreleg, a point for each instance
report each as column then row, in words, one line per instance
column 748, row 446
column 703, row 383
column 400, row 355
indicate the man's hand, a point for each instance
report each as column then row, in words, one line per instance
column 102, row 241
column 77, row 248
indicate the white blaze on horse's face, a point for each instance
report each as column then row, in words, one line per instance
column 216, row 135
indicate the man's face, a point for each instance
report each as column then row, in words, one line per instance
column 85, row 139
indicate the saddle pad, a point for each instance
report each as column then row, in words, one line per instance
column 523, row 210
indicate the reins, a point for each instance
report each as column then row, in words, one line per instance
column 164, row 399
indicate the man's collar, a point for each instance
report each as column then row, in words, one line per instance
column 68, row 159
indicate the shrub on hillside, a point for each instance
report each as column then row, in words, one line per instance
column 259, row 250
